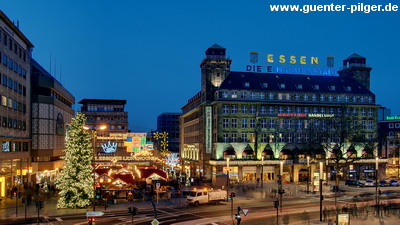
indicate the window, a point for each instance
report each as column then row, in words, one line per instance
column 289, row 138
column 391, row 125
column 225, row 138
column 299, row 86
column 305, row 109
column 252, row 109
column 252, row 95
column 332, row 88
column 354, row 98
column 316, row 87
column 282, row 86
column 224, row 94
column 4, row 80
column 234, row 123
column 322, row 98
column 263, row 110
column 10, row 63
column 363, row 124
column 271, row 123
column 234, row 137
column 244, row 123
column 15, row 86
column 270, row 109
column 4, row 100
column 279, row 96
column 314, row 97
column 298, row 124
column 243, row 94
column 264, row 85
column 362, row 99
column 316, row 124
column 234, row 109
column 348, row 88
column 271, row 96
column 346, row 98
column 244, row 137
column 322, row 110
column 289, row 123
column 299, row 138
column 323, row 123
column 355, row 112
column 370, row 126
column 252, row 123
column 289, row 109
column 305, row 98
column 280, row 109
column 234, row 95
column 225, row 109
column 315, row 110
column 330, row 98
column 297, row 97
column 246, row 84
column 264, row 137
column 10, row 103
column 262, row 95
column 397, row 125
column 338, row 98
column 363, row 112
column 244, row 109
column 281, row 123
column 10, row 83
column 370, row 112
column 264, row 123
column 370, row 99
column 225, row 123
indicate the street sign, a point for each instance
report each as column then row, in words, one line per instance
column 245, row 211
column 155, row 222
column 94, row 214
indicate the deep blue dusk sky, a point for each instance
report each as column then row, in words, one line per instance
column 148, row 52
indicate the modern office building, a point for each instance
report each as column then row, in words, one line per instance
column 169, row 122
column 51, row 112
column 15, row 113
column 260, row 120
column 389, row 143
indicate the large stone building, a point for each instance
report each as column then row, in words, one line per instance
column 389, row 140
column 51, row 111
column 260, row 120
column 15, row 112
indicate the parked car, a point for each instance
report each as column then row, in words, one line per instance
column 383, row 183
column 369, row 183
column 389, row 194
column 356, row 183
column 364, row 197
column 394, row 183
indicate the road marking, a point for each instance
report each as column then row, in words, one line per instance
column 58, row 219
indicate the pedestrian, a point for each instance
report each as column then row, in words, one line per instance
column 330, row 222
column 325, row 213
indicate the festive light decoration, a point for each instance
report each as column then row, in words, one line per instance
column 76, row 179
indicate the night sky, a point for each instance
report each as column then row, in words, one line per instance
column 148, row 52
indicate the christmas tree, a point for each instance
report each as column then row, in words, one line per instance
column 76, row 180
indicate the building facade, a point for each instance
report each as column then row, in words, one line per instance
column 169, row 122
column 15, row 139
column 260, row 120
column 51, row 111
column 389, row 143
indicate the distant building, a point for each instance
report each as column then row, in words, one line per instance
column 258, row 120
column 389, row 143
column 383, row 112
column 169, row 122
column 15, row 112
column 51, row 111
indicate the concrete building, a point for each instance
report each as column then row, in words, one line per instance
column 15, row 113
column 51, row 111
column 260, row 120
column 389, row 144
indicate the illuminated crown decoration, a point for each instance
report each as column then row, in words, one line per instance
column 111, row 147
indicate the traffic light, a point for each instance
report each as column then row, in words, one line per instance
column 238, row 218
column 276, row 204
column 233, row 194
column 15, row 194
column 39, row 204
column 239, row 209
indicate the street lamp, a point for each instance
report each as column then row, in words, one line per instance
column 321, row 164
column 262, row 171
column 308, row 174
column 376, row 184
column 227, row 177
column 93, row 131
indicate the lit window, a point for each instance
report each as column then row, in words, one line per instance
column 316, row 87
column 246, row 84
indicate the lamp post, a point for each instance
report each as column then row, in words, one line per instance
column 280, row 188
column 227, row 177
column 94, row 137
column 321, row 197
column 308, row 174
column 262, row 171
column 376, row 184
